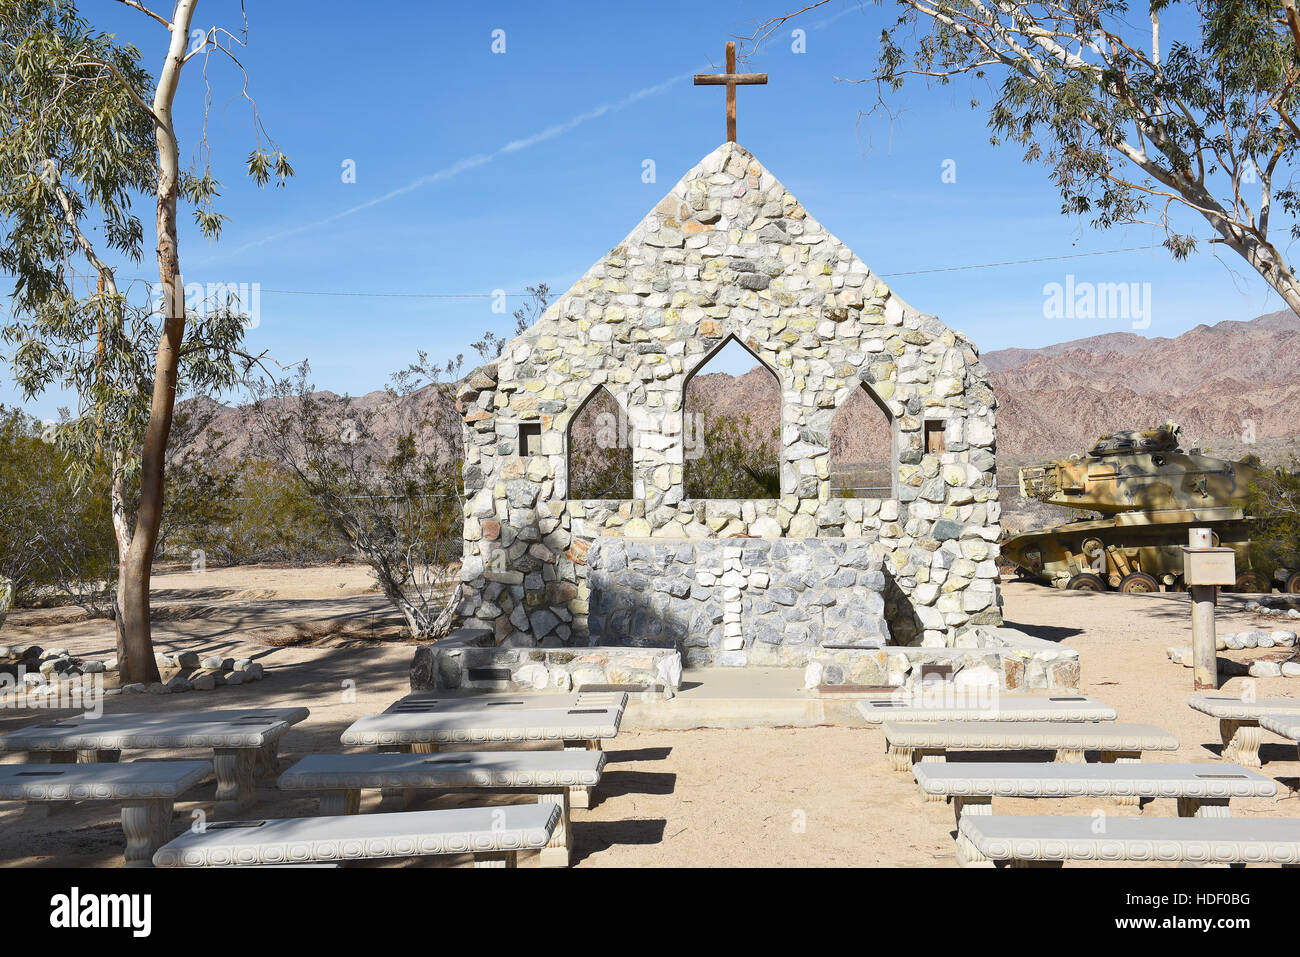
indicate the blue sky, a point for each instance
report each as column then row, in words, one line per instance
column 478, row 171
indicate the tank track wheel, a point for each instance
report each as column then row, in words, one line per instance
column 1138, row 583
column 1251, row 583
column 1085, row 582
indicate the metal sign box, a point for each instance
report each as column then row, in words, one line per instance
column 1209, row 566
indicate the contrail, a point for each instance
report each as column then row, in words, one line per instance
column 472, row 162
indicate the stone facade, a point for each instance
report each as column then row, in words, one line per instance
column 737, row 601
column 729, row 253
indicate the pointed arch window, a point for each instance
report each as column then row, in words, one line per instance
column 599, row 449
column 863, row 459
column 731, row 426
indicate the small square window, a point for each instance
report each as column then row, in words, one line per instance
column 934, row 436
column 530, row 438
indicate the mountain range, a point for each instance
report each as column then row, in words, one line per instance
column 1234, row 386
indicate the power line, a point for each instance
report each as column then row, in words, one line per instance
column 885, row 275
column 522, row 295
column 1021, row 262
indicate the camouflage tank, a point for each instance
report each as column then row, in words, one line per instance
column 1151, row 493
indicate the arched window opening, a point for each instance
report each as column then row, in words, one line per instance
column 862, row 448
column 600, row 449
column 731, row 427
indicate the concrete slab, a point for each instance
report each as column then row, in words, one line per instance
column 1193, row 840
column 134, row 780
column 996, row 708
column 503, row 828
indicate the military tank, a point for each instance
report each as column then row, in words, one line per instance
column 1149, row 493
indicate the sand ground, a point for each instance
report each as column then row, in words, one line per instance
column 759, row 797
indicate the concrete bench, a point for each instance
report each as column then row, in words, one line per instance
column 1239, row 722
column 424, row 701
column 147, row 791
column 1001, row 708
column 930, row 742
column 1287, row 725
column 340, row 779
column 494, row 835
column 580, row 729
column 1050, row 841
column 243, row 742
column 1202, row 790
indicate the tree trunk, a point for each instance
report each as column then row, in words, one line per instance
column 137, row 639
column 122, row 537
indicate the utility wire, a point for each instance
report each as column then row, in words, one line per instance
column 521, row 295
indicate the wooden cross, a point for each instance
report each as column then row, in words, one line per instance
column 731, row 79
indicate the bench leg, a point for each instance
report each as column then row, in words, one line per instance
column 236, row 780
column 580, row 797
column 1241, row 740
column 333, row 803
column 1124, row 757
column 968, row 854
column 98, row 756
column 44, row 809
column 900, row 759
column 147, row 826
column 396, row 799
column 268, row 759
column 559, row 851
column 496, row 858
column 1069, row 757
column 1018, row 863
column 1203, row 807
column 931, row 756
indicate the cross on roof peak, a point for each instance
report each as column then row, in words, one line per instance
column 731, row 79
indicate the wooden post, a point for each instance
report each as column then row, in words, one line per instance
column 1205, row 659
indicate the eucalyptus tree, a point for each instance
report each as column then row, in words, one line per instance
column 1143, row 113
column 87, row 134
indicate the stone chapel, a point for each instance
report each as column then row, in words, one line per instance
column 730, row 254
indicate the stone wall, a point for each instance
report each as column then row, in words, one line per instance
column 729, row 253
column 736, row 601
column 1002, row 659
column 468, row 659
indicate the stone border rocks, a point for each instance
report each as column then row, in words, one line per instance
column 467, row 659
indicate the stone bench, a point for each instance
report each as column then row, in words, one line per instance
column 244, row 742
column 1202, row 790
column 340, row 779
column 425, row 701
column 1287, row 725
column 1000, row 708
column 494, row 835
column 1239, row 722
column 579, row 729
column 1028, row 841
column 147, row 791
column 929, row 742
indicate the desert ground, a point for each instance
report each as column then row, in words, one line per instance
column 757, row 797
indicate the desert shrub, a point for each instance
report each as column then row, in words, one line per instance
column 391, row 488
column 56, row 541
column 246, row 511
column 731, row 460
column 1274, row 501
